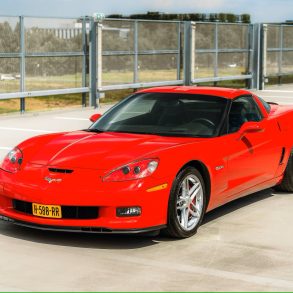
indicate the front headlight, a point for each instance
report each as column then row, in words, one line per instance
column 134, row 170
column 12, row 161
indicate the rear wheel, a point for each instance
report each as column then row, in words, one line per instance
column 287, row 182
column 187, row 203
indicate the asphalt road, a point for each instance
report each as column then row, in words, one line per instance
column 246, row 245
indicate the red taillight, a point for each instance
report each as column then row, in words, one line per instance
column 12, row 161
column 134, row 170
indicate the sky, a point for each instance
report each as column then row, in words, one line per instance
column 260, row 10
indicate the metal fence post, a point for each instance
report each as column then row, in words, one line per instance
column 263, row 56
column 179, row 51
column 135, row 63
column 22, row 62
column 189, row 52
column 84, row 60
column 216, row 61
column 257, row 57
column 99, row 61
column 280, row 69
column 252, row 60
column 93, row 65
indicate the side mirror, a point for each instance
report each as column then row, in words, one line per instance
column 249, row 127
column 95, row 117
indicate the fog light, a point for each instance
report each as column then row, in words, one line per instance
column 128, row 211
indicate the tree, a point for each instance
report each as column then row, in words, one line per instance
column 223, row 17
column 231, row 17
column 213, row 17
column 245, row 18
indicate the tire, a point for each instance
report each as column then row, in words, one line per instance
column 185, row 213
column 287, row 182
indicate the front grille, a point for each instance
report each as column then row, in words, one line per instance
column 68, row 212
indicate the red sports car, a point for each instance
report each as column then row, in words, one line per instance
column 159, row 159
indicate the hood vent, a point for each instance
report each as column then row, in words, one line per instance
column 63, row 171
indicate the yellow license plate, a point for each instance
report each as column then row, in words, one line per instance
column 47, row 211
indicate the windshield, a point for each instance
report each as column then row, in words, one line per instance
column 170, row 114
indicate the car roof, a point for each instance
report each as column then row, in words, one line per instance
column 227, row 93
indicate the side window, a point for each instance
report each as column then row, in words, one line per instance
column 265, row 104
column 243, row 109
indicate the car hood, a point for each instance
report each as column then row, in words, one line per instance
column 102, row 151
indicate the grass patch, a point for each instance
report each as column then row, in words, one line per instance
column 41, row 103
column 58, row 101
column 226, row 83
column 279, row 80
column 116, row 96
column 9, row 106
column 112, row 77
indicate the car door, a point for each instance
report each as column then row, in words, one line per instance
column 253, row 156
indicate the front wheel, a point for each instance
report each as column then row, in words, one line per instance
column 187, row 203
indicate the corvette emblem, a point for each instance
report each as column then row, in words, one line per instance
column 52, row 180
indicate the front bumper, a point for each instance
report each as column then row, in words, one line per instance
column 30, row 186
column 81, row 229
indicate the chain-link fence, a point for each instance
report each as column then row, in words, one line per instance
column 42, row 56
column 222, row 52
column 135, row 53
column 53, row 56
column 279, row 50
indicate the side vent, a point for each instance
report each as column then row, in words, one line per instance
column 63, row 171
column 282, row 156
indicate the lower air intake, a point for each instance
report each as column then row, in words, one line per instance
column 68, row 212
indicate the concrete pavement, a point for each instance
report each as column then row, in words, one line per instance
column 246, row 245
